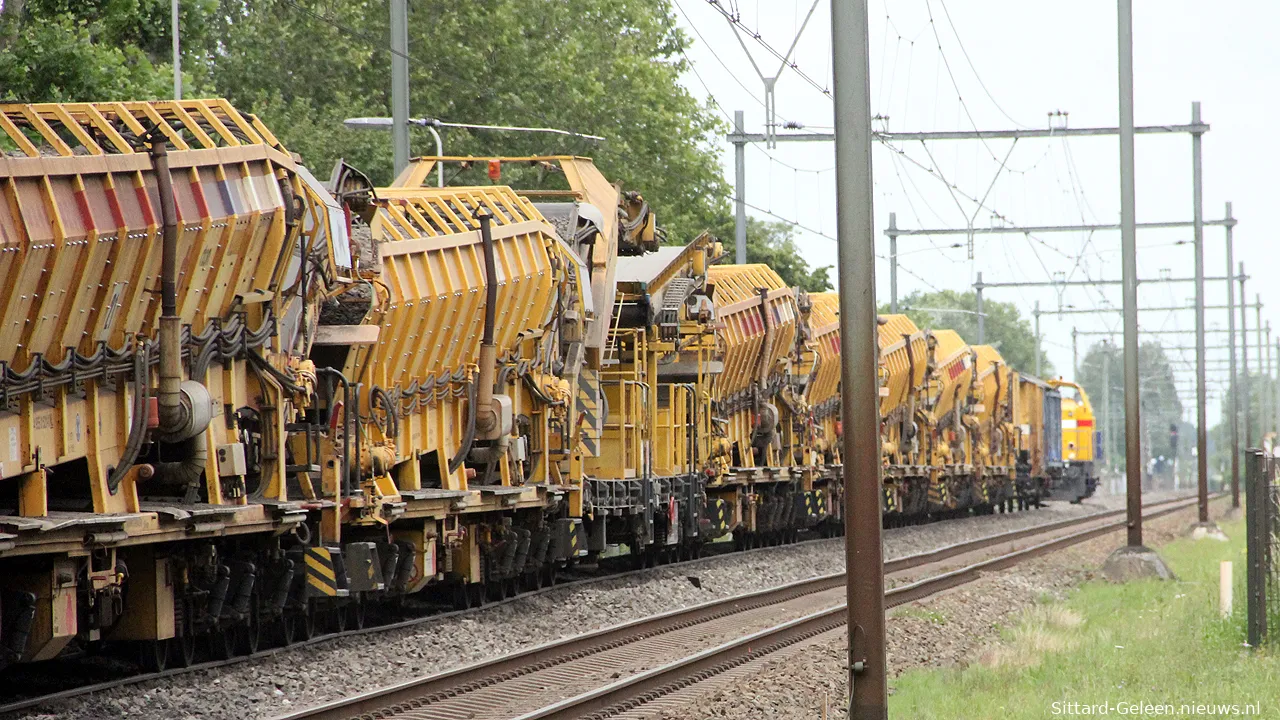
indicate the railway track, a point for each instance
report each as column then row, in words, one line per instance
column 613, row 671
column 571, row 579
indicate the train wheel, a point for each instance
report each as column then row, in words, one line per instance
column 287, row 631
column 461, row 597
column 494, row 590
column 222, row 643
column 548, row 575
column 356, row 616
column 477, row 594
column 251, row 633
column 305, row 624
column 153, row 655
column 338, row 617
column 184, row 648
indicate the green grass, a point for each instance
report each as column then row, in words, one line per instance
column 1114, row 644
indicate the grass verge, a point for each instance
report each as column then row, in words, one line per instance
column 1143, row 649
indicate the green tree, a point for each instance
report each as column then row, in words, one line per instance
column 604, row 67
column 1260, row 419
column 1161, row 408
column 773, row 243
column 1004, row 325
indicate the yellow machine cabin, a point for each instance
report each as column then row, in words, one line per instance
column 657, row 368
column 1079, row 442
column 1077, row 422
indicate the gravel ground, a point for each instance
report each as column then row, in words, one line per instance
column 954, row 628
column 316, row 674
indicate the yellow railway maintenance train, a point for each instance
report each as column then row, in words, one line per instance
column 241, row 405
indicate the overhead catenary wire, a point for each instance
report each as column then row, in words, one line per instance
column 736, row 21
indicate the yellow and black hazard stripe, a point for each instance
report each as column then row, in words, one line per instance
column 322, row 580
column 938, row 493
column 720, row 515
column 588, row 406
column 577, row 542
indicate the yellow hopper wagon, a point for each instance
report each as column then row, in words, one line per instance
column 949, row 402
column 164, row 266
column 904, row 365
column 996, row 439
column 758, row 318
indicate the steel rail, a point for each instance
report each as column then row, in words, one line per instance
column 423, row 692
column 631, row 692
column 429, row 616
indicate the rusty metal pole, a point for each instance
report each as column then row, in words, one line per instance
column 1262, row 389
column 1233, row 387
column 1202, row 415
column 1129, row 266
column 1269, row 392
column 868, row 679
column 1245, row 402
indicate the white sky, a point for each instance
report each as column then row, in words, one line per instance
column 1033, row 58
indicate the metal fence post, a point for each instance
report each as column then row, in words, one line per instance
column 1256, row 512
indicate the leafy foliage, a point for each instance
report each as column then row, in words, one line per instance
column 1102, row 371
column 65, row 58
column 1260, row 409
column 603, row 67
column 1005, row 327
column 773, row 244
column 597, row 67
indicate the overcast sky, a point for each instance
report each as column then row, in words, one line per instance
column 1006, row 64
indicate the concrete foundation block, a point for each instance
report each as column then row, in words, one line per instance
column 1206, row 531
column 1135, row 563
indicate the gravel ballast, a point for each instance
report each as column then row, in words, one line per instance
column 328, row 671
column 949, row 629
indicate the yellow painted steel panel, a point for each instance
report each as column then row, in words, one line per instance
column 993, row 376
column 904, row 357
column 954, row 369
column 759, row 318
column 82, row 238
column 825, row 322
column 432, row 321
